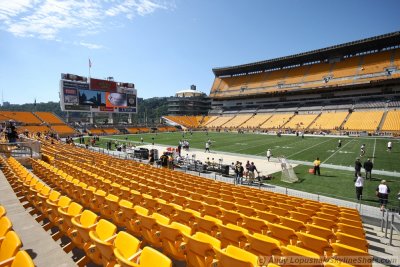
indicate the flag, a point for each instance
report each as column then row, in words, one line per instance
column 90, row 63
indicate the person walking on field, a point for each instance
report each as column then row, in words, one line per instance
column 269, row 154
column 359, row 184
column 317, row 164
column 368, row 165
column 339, row 145
column 357, row 168
column 207, row 147
column 389, row 146
column 382, row 192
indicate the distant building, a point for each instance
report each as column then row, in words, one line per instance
column 189, row 102
column 6, row 104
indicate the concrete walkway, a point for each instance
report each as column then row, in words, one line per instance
column 44, row 251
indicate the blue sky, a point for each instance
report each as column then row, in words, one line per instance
column 166, row 45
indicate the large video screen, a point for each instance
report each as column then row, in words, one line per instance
column 96, row 96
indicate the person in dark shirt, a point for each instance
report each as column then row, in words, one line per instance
column 164, row 160
column 368, row 165
column 357, row 168
column 11, row 132
column 239, row 172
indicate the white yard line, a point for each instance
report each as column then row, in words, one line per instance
column 308, row 148
column 373, row 153
column 337, row 151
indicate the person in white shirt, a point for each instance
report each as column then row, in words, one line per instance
column 389, row 146
column 269, row 154
column 382, row 191
column 359, row 184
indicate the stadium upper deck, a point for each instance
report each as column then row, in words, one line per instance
column 345, row 66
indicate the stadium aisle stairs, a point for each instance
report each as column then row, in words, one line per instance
column 378, row 245
column 37, row 242
column 345, row 120
column 382, row 120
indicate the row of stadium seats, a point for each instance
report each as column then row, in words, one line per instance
column 96, row 236
column 356, row 121
column 348, row 71
column 186, row 121
column 145, row 193
column 10, row 244
column 108, row 205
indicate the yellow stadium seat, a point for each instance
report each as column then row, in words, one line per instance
column 232, row 217
column 278, row 211
column 323, row 232
column 259, row 244
column 186, row 216
column 213, row 211
column 110, row 207
column 22, row 259
column 255, row 225
column 81, row 225
column 149, row 227
column 268, row 216
column 246, row 210
column 234, row 256
column 284, row 234
column 102, row 238
column 126, row 247
column 341, row 252
column 294, row 224
column 326, row 216
column 231, row 234
column 150, row 257
column 207, row 224
column 9, row 247
column 300, row 217
column 311, row 258
column 172, row 237
column 5, row 226
column 352, row 241
column 200, row 250
column 66, row 214
column 327, row 223
column 351, row 230
column 314, row 243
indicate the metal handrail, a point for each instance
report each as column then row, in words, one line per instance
column 393, row 227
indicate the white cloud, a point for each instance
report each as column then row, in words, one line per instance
column 90, row 45
column 49, row 19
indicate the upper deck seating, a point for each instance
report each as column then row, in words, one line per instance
column 49, row 118
column 21, row 116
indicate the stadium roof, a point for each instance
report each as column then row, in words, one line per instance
column 373, row 43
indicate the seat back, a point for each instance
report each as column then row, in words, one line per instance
column 5, row 225
column 105, row 229
column 262, row 245
column 151, row 257
column 234, row 256
column 10, row 246
column 22, row 259
column 125, row 245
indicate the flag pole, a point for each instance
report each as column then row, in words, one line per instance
column 90, row 66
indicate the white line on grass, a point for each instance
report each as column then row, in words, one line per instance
column 309, row 148
column 373, row 153
column 337, row 151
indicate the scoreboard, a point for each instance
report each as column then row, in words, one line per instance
column 78, row 93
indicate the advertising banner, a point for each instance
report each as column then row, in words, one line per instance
column 106, row 109
column 103, row 85
column 131, row 100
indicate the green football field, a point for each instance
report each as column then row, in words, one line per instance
column 332, row 182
